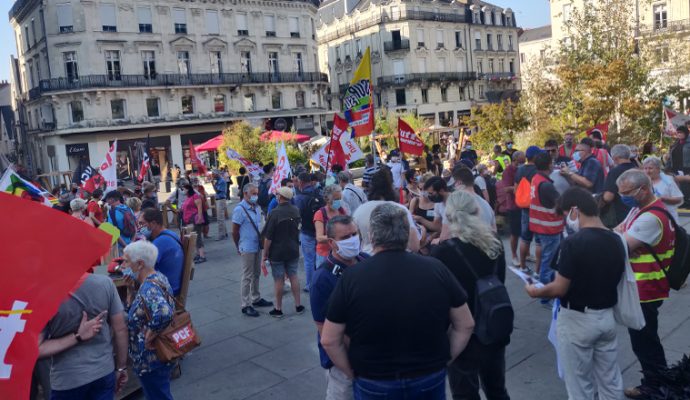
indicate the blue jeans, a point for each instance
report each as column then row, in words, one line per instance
column 319, row 260
column 428, row 387
column 100, row 389
column 549, row 249
column 309, row 253
column 156, row 384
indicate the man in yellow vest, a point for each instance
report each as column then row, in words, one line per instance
column 500, row 161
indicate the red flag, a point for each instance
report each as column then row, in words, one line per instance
column 602, row 128
column 336, row 152
column 196, row 161
column 145, row 162
column 93, row 183
column 410, row 143
column 32, row 286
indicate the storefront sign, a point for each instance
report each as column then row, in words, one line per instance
column 77, row 149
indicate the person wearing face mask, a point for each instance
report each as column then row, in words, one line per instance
column 281, row 249
column 170, row 260
column 287, row 182
column 567, row 149
column 468, row 153
column 651, row 237
column 510, row 149
column 333, row 195
column 500, row 161
column 591, row 173
column 437, row 193
column 344, row 245
column 591, row 264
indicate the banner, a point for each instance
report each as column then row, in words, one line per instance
column 251, row 167
column 410, row 143
column 12, row 183
column 87, row 177
column 196, row 161
column 145, row 162
column 108, row 168
column 282, row 170
column 32, row 288
column 358, row 103
column 602, row 128
column 335, row 148
column 351, row 151
column 673, row 120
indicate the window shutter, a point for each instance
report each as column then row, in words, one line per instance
column 294, row 24
column 64, row 13
column 269, row 23
column 241, row 20
column 108, row 15
column 144, row 14
column 212, row 26
column 179, row 16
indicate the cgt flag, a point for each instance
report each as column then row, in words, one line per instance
column 410, row 143
column 602, row 128
column 32, row 289
column 86, row 177
column 145, row 162
column 358, row 102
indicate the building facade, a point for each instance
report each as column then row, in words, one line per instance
column 535, row 46
column 176, row 71
column 437, row 59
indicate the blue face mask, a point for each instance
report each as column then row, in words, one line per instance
column 127, row 272
column 630, row 201
column 577, row 156
column 145, row 232
column 253, row 199
column 337, row 204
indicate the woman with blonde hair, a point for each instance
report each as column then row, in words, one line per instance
column 474, row 251
column 77, row 209
column 135, row 204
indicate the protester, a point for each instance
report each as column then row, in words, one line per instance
column 333, row 196
column 288, row 183
column 420, row 206
column 500, row 161
column 78, row 206
column 412, row 189
column 381, row 186
column 527, row 171
column 591, row 173
column 344, row 243
column 80, row 340
column 220, row 186
column 613, row 211
column 591, row 264
column 63, row 203
column 150, row 310
column 635, row 157
column 149, row 197
column 649, row 231
column 265, row 183
column 353, row 196
column 480, row 181
column 568, row 148
column 600, row 151
column 396, row 169
column 281, row 249
column 464, row 180
column 242, row 180
column 170, row 261
column 369, row 170
column 483, row 250
column 246, row 220
column 402, row 354
column 510, row 150
column 665, row 188
column 201, row 190
column 308, row 202
column 559, row 181
column 193, row 214
column 121, row 217
column 505, row 191
column 134, row 204
column 177, row 199
column 94, row 208
column 437, row 192
column 362, row 218
column 468, row 153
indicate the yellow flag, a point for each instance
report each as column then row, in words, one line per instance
column 358, row 102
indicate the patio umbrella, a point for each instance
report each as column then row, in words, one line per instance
column 276, row 136
column 211, row 144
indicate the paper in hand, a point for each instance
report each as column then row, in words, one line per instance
column 528, row 279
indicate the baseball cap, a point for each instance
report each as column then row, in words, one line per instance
column 532, row 151
column 285, row 192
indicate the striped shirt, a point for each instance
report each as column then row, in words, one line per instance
column 366, row 177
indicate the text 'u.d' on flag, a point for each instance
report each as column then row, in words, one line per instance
column 358, row 103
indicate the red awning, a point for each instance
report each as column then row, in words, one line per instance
column 276, row 136
column 211, row 144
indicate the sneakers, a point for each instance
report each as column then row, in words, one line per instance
column 250, row 311
column 276, row 313
column 262, row 303
column 299, row 309
column 516, row 262
column 633, row 393
column 200, row 260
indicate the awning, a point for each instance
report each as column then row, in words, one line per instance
column 210, row 145
column 276, row 136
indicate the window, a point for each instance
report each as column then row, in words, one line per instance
column 421, row 63
column 76, row 111
column 183, row 63
column 400, row 99
column 275, row 101
column 475, row 18
column 33, row 30
column 112, row 65
column 662, row 54
column 420, row 37
column 458, row 39
column 32, row 81
column 461, row 93
column 38, row 70
column 499, row 42
column 444, row 94
column 481, row 91
column 270, row 25
column 347, row 45
column 26, row 37
column 152, row 108
column 187, row 103
column 477, row 41
column 249, row 102
column 313, row 29
column 358, row 47
column 566, row 12
column 216, row 63
column 425, row 96
column 293, row 22
column 299, row 99
column 212, row 27
column 219, row 103
column 490, row 20
column 395, row 13
column 64, row 14
column 510, row 42
column 491, row 65
column 30, row 120
column 441, row 64
column 299, row 67
column 511, row 67
column 522, row 58
column 501, row 66
column 339, row 78
column 480, row 66
column 273, row 62
column 246, row 62
column 117, row 109
column 439, row 39
column 180, row 20
column 660, row 16
column 108, row 19
column 71, row 68
column 149, row 60
column 489, row 44
column 399, row 68
column 509, row 20
column 542, row 54
column 241, row 21
column 337, row 53
column 145, row 21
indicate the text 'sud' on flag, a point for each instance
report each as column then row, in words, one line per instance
column 39, row 268
column 410, row 143
column 358, row 103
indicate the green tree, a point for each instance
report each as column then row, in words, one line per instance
column 495, row 123
column 387, row 125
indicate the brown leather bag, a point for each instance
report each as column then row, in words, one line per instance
column 178, row 338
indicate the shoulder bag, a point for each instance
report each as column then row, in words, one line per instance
column 256, row 228
column 627, row 310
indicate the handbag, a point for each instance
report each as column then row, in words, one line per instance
column 179, row 337
column 628, row 311
column 256, row 228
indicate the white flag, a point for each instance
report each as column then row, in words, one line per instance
column 108, row 168
column 350, row 148
column 282, row 168
column 251, row 167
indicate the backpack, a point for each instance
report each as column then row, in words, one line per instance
column 264, row 196
column 677, row 273
column 313, row 205
column 523, row 193
column 493, row 312
column 129, row 226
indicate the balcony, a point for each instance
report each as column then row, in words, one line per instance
column 402, row 80
column 166, row 80
column 498, row 76
column 396, row 45
column 661, row 27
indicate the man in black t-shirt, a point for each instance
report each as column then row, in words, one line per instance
column 590, row 265
column 399, row 343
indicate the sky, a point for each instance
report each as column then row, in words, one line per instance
column 529, row 14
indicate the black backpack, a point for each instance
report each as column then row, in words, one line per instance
column 313, row 205
column 493, row 311
column 264, row 196
column 677, row 273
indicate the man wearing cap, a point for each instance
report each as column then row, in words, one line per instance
column 281, row 248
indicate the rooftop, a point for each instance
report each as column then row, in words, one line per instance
column 534, row 34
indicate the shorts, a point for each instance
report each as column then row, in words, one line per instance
column 515, row 222
column 280, row 268
column 525, row 234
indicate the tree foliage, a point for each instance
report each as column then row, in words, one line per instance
column 495, row 123
column 387, row 126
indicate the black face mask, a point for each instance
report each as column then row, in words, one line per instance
column 436, row 198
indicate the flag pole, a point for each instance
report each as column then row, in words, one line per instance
column 328, row 156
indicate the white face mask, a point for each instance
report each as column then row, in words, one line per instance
column 573, row 225
column 349, row 248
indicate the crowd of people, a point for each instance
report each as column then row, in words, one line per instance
column 430, row 227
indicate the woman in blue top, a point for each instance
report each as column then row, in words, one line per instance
column 149, row 310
